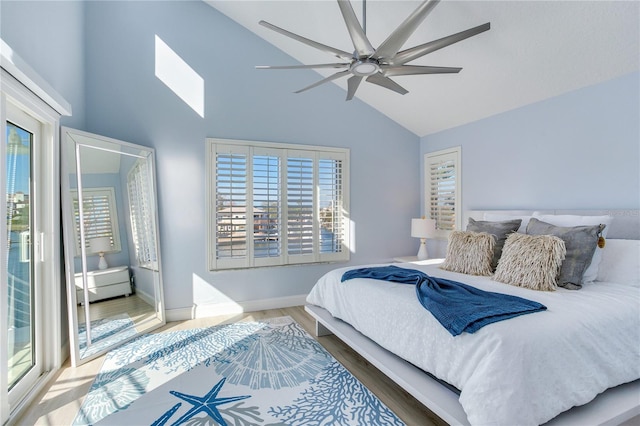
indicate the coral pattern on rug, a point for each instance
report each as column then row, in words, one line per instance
column 263, row 373
column 105, row 332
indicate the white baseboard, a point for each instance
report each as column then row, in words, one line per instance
column 204, row 311
column 146, row 297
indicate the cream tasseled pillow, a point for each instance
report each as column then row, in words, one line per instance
column 469, row 253
column 531, row 261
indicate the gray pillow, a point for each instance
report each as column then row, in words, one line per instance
column 500, row 230
column 580, row 242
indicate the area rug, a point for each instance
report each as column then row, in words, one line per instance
column 263, row 373
column 104, row 333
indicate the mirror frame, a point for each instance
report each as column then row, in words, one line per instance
column 69, row 239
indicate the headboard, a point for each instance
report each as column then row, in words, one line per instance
column 625, row 225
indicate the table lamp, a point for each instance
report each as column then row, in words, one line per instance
column 423, row 228
column 100, row 245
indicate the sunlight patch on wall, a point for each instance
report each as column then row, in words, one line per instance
column 178, row 76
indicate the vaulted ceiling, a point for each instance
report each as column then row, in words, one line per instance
column 534, row 50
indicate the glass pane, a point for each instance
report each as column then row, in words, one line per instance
column 231, row 205
column 21, row 354
column 266, row 206
column 300, row 205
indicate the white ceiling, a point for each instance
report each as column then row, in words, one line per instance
column 535, row 50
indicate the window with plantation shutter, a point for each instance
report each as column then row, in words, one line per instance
column 141, row 215
column 300, row 208
column 99, row 217
column 442, row 189
column 276, row 204
column 331, row 220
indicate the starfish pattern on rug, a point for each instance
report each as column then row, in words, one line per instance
column 207, row 403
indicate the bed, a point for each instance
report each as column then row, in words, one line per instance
column 583, row 351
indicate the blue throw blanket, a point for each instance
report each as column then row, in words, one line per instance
column 458, row 307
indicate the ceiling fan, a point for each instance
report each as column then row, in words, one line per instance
column 377, row 65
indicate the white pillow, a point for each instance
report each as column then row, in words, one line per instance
column 620, row 262
column 591, row 273
column 499, row 217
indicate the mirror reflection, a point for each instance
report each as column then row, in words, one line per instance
column 111, row 243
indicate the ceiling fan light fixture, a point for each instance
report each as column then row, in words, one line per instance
column 364, row 68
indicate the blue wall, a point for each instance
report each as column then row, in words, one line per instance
column 580, row 150
column 49, row 36
column 126, row 101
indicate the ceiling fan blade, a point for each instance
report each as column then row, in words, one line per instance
column 295, row 67
column 324, row 80
column 387, row 83
column 352, row 86
column 391, row 46
column 390, row 71
column 421, row 50
column 358, row 37
column 328, row 49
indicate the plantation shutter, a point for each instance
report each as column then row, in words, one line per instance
column 441, row 184
column 141, row 214
column 267, row 206
column 99, row 214
column 333, row 229
column 300, row 204
column 276, row 204
column 233, row 214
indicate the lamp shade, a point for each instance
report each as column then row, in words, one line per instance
column 422, row 228
column 100, row 244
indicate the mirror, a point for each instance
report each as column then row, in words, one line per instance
column 111, row 246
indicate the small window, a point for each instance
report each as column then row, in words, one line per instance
column 100, row 217
column 141, row 215
column 276, row 204
column 442, row 189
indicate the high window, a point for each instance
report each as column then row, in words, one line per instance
column 276, row 204
column 442, row 189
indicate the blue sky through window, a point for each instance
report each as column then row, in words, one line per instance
column 18, row 161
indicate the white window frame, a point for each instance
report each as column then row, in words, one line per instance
column 282, row 151
column 114, row 233
column 449, row 155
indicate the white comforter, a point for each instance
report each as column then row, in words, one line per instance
column 522, row 371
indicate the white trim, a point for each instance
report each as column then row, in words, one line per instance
column 230, row 308
column 18, row 68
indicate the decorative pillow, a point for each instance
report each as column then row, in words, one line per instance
column 580, row 243
column 500, row 230
column 469, row 253
column 620, row 262
column 531, row 261
column 506, row 216
column 574, row 220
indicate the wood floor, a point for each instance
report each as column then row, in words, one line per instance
column 59, row 403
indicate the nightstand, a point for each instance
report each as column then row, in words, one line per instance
column 103, row 284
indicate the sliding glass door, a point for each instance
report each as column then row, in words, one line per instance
column 31, row 341
column 23, row 283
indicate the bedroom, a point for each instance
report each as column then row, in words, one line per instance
column 102, row 62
